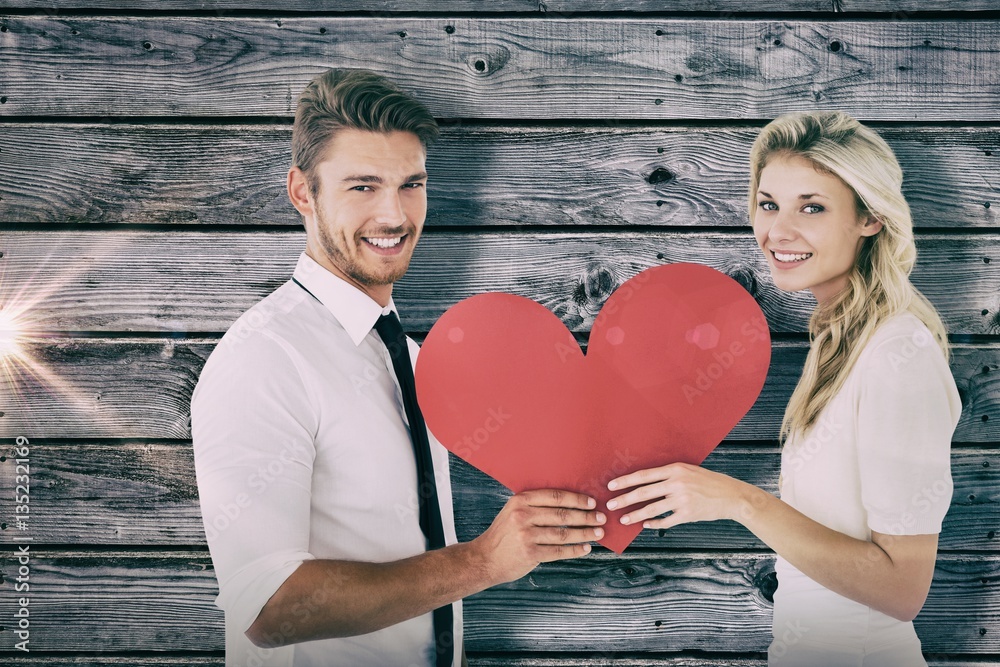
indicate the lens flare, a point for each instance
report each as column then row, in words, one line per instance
column 10, row 333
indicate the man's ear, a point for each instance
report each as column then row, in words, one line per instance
column 873, row 225
column 298, row 192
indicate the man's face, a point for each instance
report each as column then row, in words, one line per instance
column 369, row 209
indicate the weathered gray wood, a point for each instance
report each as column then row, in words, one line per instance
column 114, row 602
column 201, row 282
column 972, row 522
column 898, row 10
column 480, row 175
column 125, row 493
column 505, row 68
column 89, row 601
column 55, row 660
column 623, row 659
column 146, row 494
column 475, row 660
column 120, row 388
column 623, row 605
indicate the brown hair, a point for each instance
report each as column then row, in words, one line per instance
column 352, row 99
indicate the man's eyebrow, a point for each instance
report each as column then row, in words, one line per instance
column 361, row 178
column 365, row 178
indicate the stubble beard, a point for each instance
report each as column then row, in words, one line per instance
column 353, row 269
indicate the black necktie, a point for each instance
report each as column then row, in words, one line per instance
column 391, row 333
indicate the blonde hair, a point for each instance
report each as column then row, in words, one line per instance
column 879, row 285
column 352, row 99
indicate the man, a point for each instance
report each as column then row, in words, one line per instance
column 308, row 470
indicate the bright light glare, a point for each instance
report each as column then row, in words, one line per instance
column 10, row 334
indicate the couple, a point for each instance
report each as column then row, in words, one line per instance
column 328, row 510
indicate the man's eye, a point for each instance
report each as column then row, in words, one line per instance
column 413, row 186
column 362, row 188
column 768, row 206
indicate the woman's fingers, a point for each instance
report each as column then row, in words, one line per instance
column 650, row 511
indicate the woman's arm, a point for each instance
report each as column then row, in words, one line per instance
column 891, row 573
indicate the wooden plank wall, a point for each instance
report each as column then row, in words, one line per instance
column 142, row 208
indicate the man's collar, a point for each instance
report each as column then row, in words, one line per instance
column 356, row 311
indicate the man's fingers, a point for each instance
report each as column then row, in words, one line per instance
column 547, row 554
column 561, row 516
column 558, row 535
column 558, row 498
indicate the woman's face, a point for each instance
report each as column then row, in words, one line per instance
column 808, row 226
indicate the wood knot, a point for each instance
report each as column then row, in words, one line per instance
column 766, row 581
column 598, row 283
column 746, row 277
column 660, row 175
column 487, row 64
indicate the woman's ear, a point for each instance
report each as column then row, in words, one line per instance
column 873, row 225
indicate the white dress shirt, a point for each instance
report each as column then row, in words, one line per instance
column 878, row 458
column 302, row 451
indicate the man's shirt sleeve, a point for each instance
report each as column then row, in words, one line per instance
column 253, row 427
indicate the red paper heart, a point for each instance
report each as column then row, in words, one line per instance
column 676, row 357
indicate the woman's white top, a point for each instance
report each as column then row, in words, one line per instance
column 877, row 459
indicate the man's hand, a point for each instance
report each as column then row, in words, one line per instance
column 350, row 598
column 538, row 527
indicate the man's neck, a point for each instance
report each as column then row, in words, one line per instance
column 380, row 294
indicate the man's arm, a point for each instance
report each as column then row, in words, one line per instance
column 327, row 598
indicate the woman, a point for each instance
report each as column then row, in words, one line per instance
column 865, row 464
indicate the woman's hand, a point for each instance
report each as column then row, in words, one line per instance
column 690, row 492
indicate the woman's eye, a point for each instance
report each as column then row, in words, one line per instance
column 812, row 208
column 768, row 206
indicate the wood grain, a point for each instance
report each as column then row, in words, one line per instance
column 971, row 524
column 141, row 388
column 898, row 10
column 475, row 660
column 116, row 601
column 505, row 68
column 110, row 660
column 480, row 175
column 124, row 601
column 142, row 493
column 191, row 282
column 646, row 605
column 655, row 659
